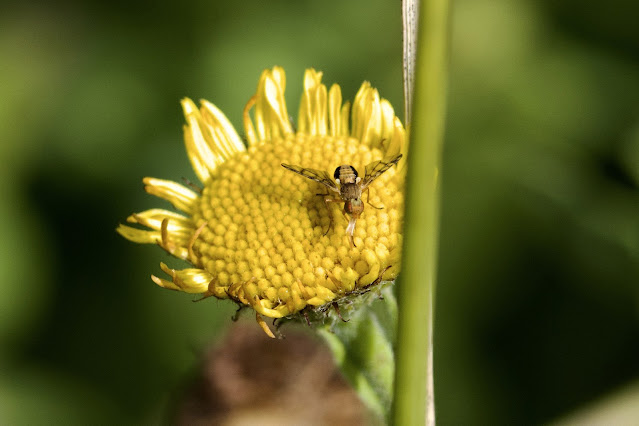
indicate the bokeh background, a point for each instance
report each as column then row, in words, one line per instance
column 538, row 295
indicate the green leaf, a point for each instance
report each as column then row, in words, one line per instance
column 363, row 342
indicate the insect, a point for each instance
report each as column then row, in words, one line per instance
column 348, row 185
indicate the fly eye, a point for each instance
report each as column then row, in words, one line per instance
column 336, row 174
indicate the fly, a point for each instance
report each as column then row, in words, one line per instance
column 348, row 185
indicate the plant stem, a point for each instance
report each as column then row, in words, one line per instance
column 414, row 393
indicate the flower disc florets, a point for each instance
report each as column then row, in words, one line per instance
column 261, row 235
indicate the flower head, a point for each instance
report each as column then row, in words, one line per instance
column 259, row 234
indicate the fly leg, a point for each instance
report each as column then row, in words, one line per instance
column 368, row 197
column 327, row 200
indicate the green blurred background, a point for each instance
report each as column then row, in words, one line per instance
column 538, row 295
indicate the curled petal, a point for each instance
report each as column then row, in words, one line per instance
column 335, row 120
column 387, row 119
column 224, row 137
column 179, row 196
column 139, row 236
column 312, row 118
column 200, row 145
column 271, row 116
column 189, row 280
column 177, row 224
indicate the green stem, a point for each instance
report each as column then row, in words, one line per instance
column 414, row 401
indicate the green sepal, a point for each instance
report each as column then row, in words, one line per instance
column 362, row 342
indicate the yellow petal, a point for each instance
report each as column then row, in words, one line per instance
column 189, row 280
column 181, row 197
column 335, row 110
column 138, row 235
column 224, row 135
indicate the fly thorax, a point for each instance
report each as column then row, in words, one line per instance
column 350, row 191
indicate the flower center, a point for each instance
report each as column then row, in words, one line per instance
column 268, row 235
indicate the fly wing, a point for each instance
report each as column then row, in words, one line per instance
column 317, row 175
column 376, row 168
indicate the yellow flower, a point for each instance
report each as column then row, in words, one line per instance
column 259, row 234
